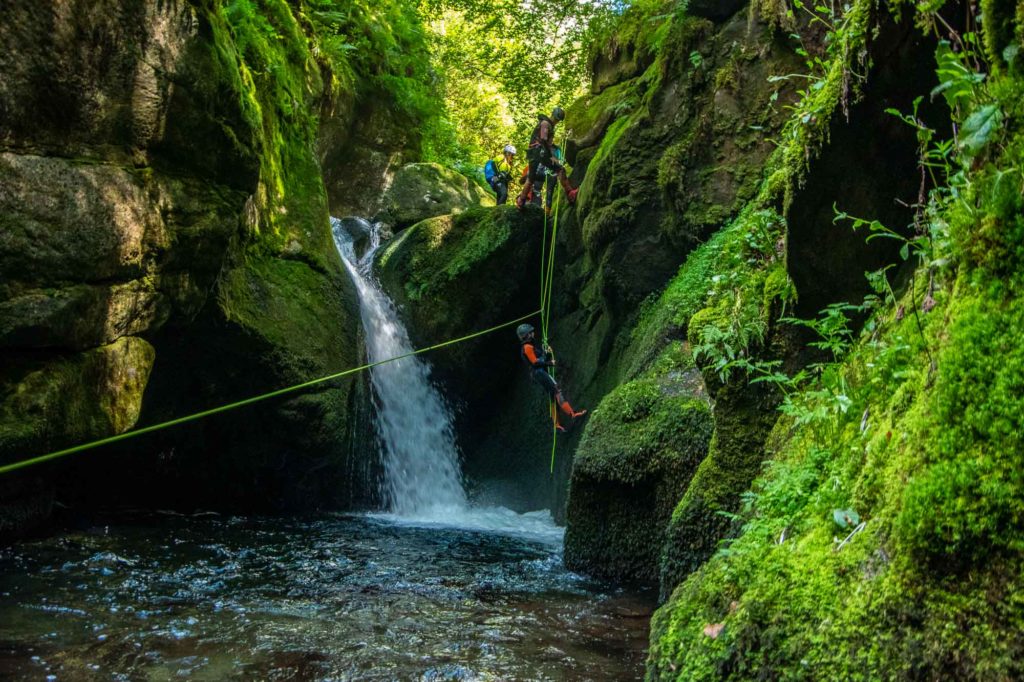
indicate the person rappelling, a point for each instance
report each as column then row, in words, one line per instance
column 499, row 173
column 541, row 156
column 540, row 358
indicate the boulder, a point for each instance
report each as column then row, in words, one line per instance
column 637, row 456
column 425, row 190
column 157, row 241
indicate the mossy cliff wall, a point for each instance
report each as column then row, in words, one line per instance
column 165, row 247
column 684, row 149
column 881, row 537
column 735, row 177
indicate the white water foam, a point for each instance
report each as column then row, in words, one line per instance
column 535, row 525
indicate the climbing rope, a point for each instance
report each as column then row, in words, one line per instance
column 7, row 468
column 547, row 276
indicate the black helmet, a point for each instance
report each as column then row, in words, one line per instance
column 524, row 330
column 558, row 114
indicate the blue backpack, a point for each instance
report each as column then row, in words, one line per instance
column 490, row 170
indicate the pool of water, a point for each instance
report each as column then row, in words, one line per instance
column 158, row 597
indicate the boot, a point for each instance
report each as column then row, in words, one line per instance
column 569, row 411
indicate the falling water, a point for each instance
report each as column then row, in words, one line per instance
column 422, row 478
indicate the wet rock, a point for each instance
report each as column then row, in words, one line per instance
column 135, row 201
column 79, row 397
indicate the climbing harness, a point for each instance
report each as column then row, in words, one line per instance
column 14, row 466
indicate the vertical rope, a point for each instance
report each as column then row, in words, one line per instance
column 547, row 276
column 546, row 313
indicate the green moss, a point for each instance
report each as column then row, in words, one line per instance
column 621, row 98
column 65, row 400
column 778, row 287
column 637, row 425
column 588, row 190
column 997, row 18
column 925, row 450
column 443, row 248
column 967, row 502
column 290, row 305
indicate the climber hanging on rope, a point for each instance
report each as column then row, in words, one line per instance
column 538, row 358
column 541, row 156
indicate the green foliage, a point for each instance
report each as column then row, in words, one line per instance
column 735, row 317
column 279, row 79
column 378, row 46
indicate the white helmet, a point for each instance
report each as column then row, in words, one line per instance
column 510, row 149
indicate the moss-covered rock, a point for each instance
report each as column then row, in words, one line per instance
column 743, row 418
column 425, row 190
column 431, row 264
column 81, row 396
column 636, row 457
column 881, row 539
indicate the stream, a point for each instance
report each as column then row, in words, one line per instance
column 162, row 597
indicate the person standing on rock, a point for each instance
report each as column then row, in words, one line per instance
column 541, row 155
column 537, row 357
column 499, row 173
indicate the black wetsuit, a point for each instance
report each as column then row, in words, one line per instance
column 534, row 356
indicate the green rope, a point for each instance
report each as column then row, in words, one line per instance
column 546, row 313
column 7, row 468
column 543, row 277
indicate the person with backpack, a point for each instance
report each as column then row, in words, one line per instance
column 499, row 173
column 541, row 156
column 537, row 356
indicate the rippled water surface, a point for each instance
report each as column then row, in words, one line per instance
column 346, row 597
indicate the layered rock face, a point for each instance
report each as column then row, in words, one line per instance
column 164, row 248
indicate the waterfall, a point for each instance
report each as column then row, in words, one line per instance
column 422, row 478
